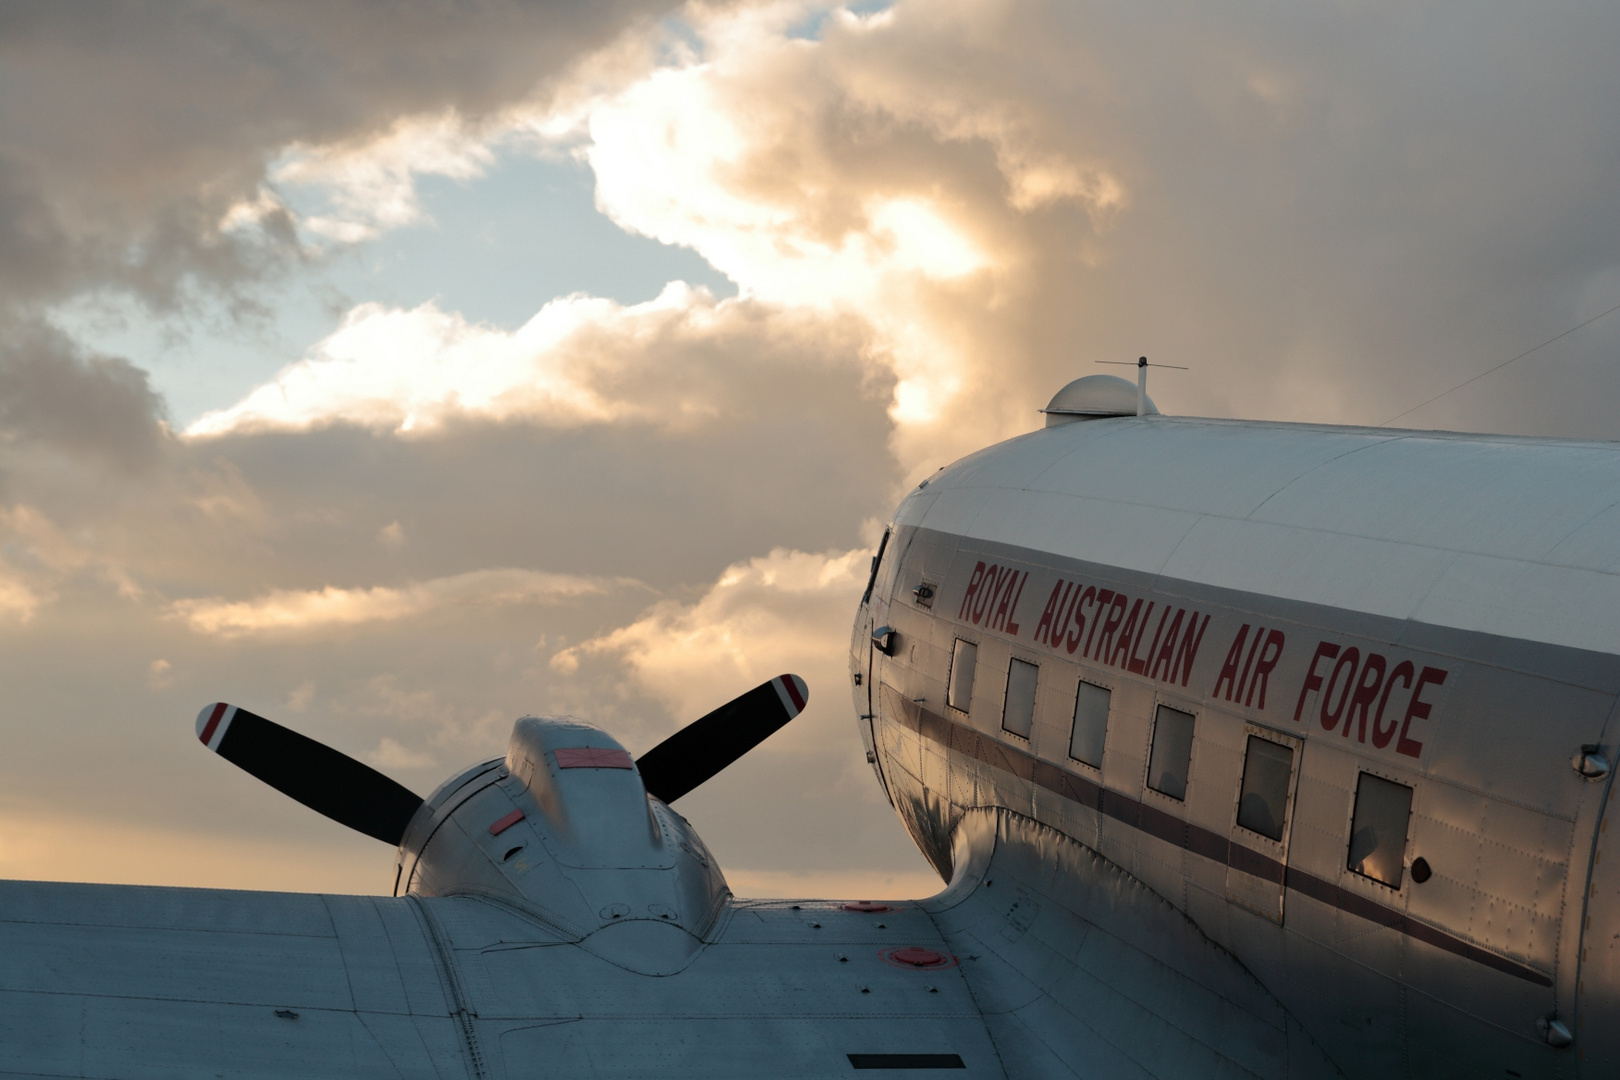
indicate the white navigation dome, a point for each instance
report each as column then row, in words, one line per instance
column 1093, row 397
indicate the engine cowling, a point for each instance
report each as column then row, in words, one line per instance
column 563, row 829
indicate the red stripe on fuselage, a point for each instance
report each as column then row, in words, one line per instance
column 1200, row 841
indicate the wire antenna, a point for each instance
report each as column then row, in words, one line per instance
column 1141, row 367
column 1499, row 367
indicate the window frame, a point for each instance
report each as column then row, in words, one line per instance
column 1362, row 769
column 1088, row 679
column 1293, row 743
column 1192, row 751
column 1034, row 698
column 966, row 709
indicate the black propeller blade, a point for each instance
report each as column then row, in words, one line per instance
column 321, row 778
column 702, row 748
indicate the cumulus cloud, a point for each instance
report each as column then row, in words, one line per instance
column 17, row 599
column 39, row 560
column 770, row 615
column 291, row 611
column 408, row 371
column 999, row 190
column 371, row 181
column 131, row 132
column 391, row 754
column 55, row 395
column 989, row 189
column 144, row 151
column 413, row 371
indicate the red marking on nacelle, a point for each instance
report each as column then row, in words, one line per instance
column 917, row 958
column 506, row 823
column 592, row 757
column 868, row 907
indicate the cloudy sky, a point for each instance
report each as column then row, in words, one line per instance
column 394, row 370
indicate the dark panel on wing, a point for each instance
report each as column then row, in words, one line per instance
column 702, row 748
column 906, row 1061
column 326, row 781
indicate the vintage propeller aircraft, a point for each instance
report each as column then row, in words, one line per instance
column 1244, row 749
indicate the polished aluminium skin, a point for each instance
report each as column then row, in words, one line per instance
column 1377, row 615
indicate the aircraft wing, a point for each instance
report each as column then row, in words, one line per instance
column 1041, row 960
column 126, row 982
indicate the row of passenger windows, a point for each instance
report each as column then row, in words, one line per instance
column 1377, row 847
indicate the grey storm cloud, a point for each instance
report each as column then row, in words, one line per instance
column 54, row 394
column 128, row 129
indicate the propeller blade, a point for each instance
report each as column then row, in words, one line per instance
column 702, row 748
column 326, row 781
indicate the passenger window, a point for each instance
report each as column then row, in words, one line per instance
column 1090, row 724
column 1378, row 829
column 959, row 687
column 1171, row 757
column 1263, row 803
column 1018, row 714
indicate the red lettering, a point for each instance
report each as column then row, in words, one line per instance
column 1313, row 681
column 1243, row 680
column 1060, row 618
column 1070, row 611
column 1167, row 648
column 1349, row 658
column 1127, row 633
column 1418, row 709
column 1003, row 612
column 1072, row 641
column 1381, row 735
column 987, row 591
column 1363, row 698
column 973, row 587
column 1269, row 655
column 1071, row 596
column 1116, row 612
column 1043, row 629
column 1229, row 669
column 1138, row 664
column 1012, row 612
column 1187, row 652
column 1097, row 619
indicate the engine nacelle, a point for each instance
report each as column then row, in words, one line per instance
column 564, row 829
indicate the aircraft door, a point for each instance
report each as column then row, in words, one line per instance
column 1262, row 819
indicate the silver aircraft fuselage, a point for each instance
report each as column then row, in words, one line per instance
column 1343, row 697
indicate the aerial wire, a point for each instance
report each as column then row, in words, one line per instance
column 1500, row 366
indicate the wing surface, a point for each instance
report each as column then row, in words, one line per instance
column 135, row 982
column 1082, row 971
column 1040, row 960
column 123, row 981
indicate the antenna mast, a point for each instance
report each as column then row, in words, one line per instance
column 1141, row 367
